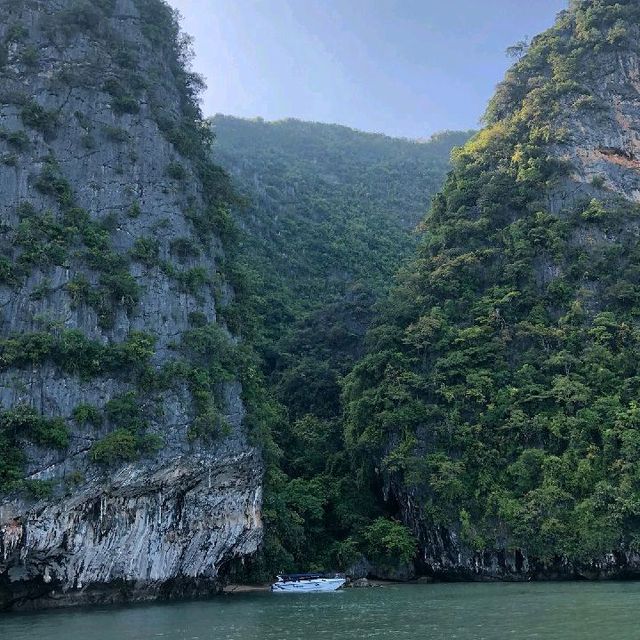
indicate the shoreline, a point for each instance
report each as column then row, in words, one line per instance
column 257, row 588
column 245, row 588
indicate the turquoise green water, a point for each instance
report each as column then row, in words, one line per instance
column 569, row 611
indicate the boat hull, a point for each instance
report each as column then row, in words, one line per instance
column 307, row 586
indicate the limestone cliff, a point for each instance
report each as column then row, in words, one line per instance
column 125, row 470
column 501, row 392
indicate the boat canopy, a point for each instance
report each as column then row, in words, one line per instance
column 293, row 577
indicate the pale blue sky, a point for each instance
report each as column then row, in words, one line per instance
column 401, row 67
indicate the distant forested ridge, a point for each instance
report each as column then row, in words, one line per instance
column 328, row 206
column 329, row 215
column 499, row 399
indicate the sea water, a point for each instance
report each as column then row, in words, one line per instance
column 563, row 611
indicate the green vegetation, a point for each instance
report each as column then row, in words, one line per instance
column 146, row 250
column 127, row 411
column 498, row 386
column 121, row 101
column 129, row 439
column 187, row 129
column 389, row 543
column 24, row 423
column 332, row 205
column 46, row 240
column 176, row 171
column 134, row 210
column 501, row 383
column 29, row 57
column 10, row 159
column 16, row 33
column 120, row 445
column 192, row 280
column 38, row 118
column 329, row 217
column 7, row 273
column 51, row 182
column 76, row 354
column 39, row 489
column 115, row 134
column 17, row 140
column 87, row 414
column 184, row 248
column 79, row 16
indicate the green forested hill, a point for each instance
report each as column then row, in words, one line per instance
column 329, row 215
column 499, row 398
column 327, row 206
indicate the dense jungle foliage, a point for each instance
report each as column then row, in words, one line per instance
column 502, row 380
column 329, row 215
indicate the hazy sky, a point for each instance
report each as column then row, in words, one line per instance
column 401, row 67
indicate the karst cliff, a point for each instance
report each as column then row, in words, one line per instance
column 498, row 402
column 125, row 467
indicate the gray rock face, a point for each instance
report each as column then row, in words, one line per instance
column 603, row 134
column 364, row 569
column 147, row 531
column 85, row 86
column 443, row 555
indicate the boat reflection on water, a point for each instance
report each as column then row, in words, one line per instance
column 307, row 583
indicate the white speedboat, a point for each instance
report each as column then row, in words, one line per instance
column 306, row 583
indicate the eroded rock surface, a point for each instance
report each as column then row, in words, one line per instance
column 107, row 233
